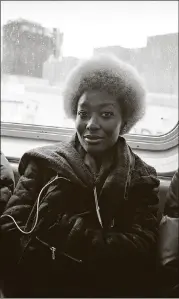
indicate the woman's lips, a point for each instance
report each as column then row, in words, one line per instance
column 93, row 139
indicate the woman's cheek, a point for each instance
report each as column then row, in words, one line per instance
column 80, row 126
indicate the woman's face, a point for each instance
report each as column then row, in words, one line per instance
column 98, row 121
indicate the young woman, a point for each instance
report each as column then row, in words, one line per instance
column 82, row 221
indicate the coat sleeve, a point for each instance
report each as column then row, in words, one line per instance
column 23, row 198
column 6, row 182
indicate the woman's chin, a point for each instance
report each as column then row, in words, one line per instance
column 95, row 150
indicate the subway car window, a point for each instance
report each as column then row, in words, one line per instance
column 41, row 42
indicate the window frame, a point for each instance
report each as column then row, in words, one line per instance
column 55, row 134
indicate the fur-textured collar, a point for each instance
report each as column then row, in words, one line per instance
column 65, row 159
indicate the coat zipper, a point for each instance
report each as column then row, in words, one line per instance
column 52, row 248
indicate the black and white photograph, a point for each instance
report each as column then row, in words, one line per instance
column 89, row 204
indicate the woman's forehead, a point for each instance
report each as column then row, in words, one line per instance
column 97, row 98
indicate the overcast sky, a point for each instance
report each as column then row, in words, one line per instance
column 90, row 24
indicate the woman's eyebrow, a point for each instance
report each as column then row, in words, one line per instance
column 106, row 105
column 102, row 105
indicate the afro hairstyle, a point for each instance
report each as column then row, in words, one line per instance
column 107, row 73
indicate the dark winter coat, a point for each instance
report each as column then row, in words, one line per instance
column 6, row 182
column 172, row 201
column 169, row 243
column 118, row 258
column 6, row 187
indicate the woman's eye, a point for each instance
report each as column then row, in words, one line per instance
column 107, row 114
column 82, row 114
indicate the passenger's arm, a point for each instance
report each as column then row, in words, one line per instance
column 6, row 182
column 19, row 207
column 172, row 199
column 169, row 243
column 23, row 198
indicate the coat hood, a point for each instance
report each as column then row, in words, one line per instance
column 61, row 157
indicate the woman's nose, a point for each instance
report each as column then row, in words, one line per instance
column 93, row 124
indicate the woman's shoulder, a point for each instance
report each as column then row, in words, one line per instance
column 138, row 164
column 41, row 156
column 143, row 173
column 61, row 158
column 143, row 167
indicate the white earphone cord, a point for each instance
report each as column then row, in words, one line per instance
column 37, row 213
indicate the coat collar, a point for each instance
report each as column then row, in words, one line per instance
column 115, row 165
column 65, row 159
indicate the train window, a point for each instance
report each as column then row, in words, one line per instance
column 57, row 35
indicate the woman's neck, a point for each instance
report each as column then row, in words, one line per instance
column 94, row 162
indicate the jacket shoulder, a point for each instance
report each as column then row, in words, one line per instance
column 144, row 185
column 172, row 200
column 144, row 177
column 143, row 168
column 37, row 156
